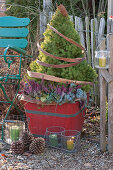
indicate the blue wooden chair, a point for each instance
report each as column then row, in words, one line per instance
column 13, row 33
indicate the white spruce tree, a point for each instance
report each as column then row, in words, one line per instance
column 58, row 46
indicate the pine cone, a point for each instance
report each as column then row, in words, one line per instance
column 17, row 147
column 37, row 145
column 63, row 10
column 26, row 139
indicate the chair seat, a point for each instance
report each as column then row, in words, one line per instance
column 12, row 77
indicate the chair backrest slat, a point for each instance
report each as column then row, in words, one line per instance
column 21, row 43
column 14, row 29
column 13, row 32
column 10, row 21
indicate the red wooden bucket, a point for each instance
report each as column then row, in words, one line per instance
column 68, row 115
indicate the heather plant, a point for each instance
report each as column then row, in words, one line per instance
column 48, row 92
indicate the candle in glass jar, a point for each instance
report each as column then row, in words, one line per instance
column 14, row 133
column 102, row 62
column 53, row 140
column 70, row 144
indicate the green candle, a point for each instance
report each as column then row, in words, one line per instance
column 53, row 140
column 14, row 133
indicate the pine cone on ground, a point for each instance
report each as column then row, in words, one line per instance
column 17, row 147
column 26, row 139
column 37, row 145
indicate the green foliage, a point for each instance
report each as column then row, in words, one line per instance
column 58, row 46
column 83, row 8
column 74, row 7
column 26, row 8
column 22, row 8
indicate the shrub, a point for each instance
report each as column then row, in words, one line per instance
column 58, row 46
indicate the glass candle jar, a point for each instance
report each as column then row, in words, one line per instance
column 13, row 130
column 71, row 140
column 102, row 59
column 53, row 136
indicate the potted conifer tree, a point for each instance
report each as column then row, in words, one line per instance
column 58, row 79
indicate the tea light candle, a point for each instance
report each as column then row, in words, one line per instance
column 14, row 133
column 53, row 140
column 70, row 144
column 102, row 62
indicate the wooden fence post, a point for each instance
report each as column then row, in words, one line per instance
column 45, row 15
column 88, row 40
column 110, row 85
column 47, row 5
column 110, row 99
column 102, row 83
column 93, row 41
column 80, row 28
column 101, row 30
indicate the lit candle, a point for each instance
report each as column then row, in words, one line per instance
column 102, row 62
column 53, row 140
column 14, row 133
column 70, row 144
